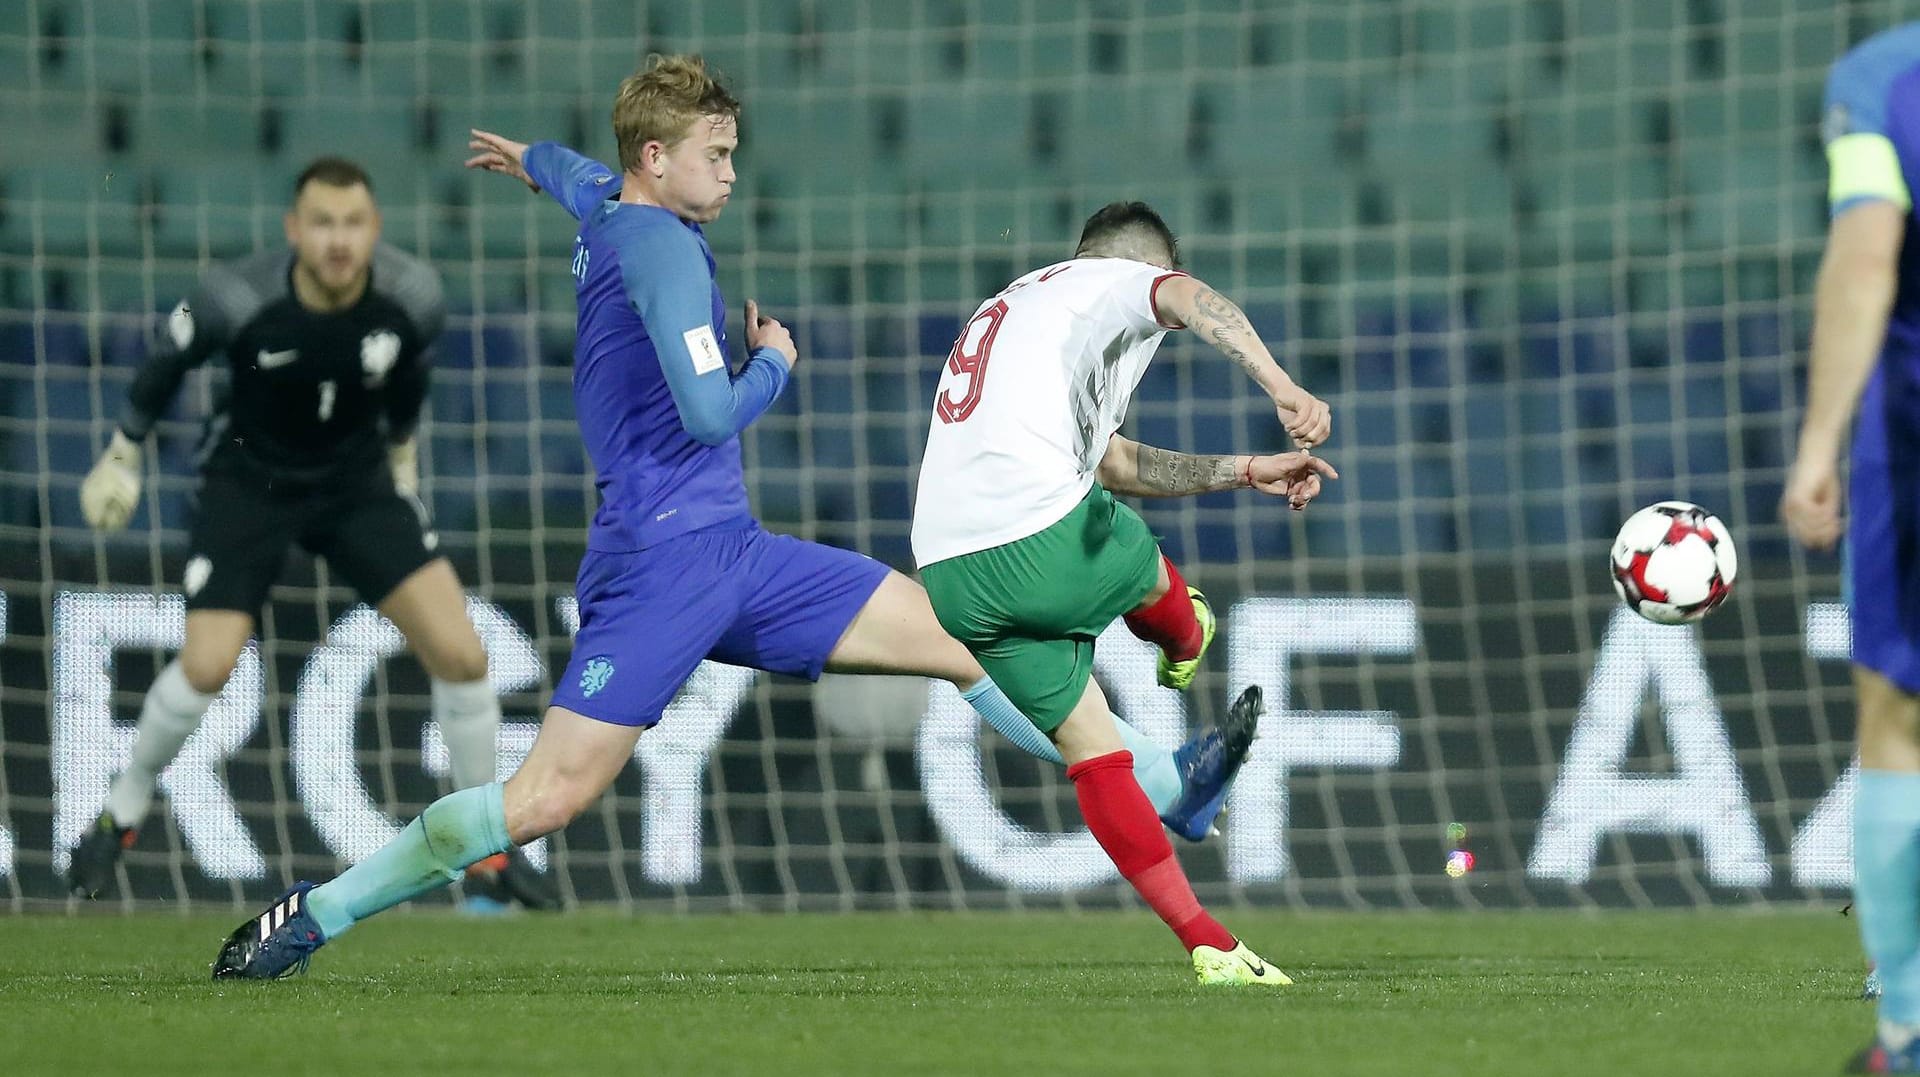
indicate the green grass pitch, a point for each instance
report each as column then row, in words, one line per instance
column 990, row 993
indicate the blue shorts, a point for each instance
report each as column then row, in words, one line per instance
column 1883, row 534
column 741, row 596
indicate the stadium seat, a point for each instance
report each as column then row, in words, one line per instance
column 224, row 209
column 1733, row 195
column 1357, row 37
column 313, row 128
column 19, row 58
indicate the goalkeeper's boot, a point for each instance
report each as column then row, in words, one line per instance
column 274, row 944
column 94, row 859
column 499, row 880
column 1179, row 675
column 1236, row 966
column 1208, row 764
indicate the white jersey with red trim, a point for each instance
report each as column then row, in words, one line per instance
column 1037, row 383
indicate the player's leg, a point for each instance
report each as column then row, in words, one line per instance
column 382, row 542
column 1127, row 572
column 1125, row 825
column 1886, row 805
column 818, row 608
column 1886, row 840
column 896, row 632
column 646, row 622
column 174, row 704
column 1071, row 581
column 1176, row 618
column 430, row 609
column 572, row 762
column 238, row 539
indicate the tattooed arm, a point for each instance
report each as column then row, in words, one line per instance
column 1186, row 302
column 1137, row 470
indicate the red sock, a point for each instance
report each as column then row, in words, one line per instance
column 1122, row 820
column 1170, row 623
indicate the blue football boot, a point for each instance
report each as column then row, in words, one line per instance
column 1207, row 765
column 276, row 943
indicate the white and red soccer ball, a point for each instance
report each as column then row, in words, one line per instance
column 1673, row 562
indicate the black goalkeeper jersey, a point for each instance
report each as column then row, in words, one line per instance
column 310, row 398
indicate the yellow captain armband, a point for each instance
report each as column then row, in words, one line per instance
column 1865, row 166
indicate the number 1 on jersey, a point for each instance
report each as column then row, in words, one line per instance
column 969, row 360
column 327, row 390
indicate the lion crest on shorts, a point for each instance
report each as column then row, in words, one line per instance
column 598, row 672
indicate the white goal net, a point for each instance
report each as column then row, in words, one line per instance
column 1548, row 260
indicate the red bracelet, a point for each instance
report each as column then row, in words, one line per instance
column 1249, row 471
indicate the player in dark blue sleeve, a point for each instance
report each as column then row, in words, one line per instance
column 1866, row 357
column 677, row 570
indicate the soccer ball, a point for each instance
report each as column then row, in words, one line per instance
column 1673, row 562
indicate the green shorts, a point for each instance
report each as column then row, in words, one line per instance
column 1030, row 610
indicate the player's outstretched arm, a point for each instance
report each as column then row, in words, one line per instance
column 1187, row 302
column 574, row 180
column 1852, row 299
column 1135, row 470
column 197, row 327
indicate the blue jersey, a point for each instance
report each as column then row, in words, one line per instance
column 1872, row 132
column 658, row 406
column 1873, row 146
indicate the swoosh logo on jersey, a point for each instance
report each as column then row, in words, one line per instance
column 267, row 360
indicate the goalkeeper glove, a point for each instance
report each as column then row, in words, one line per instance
column 111, row 491
column 403, row 461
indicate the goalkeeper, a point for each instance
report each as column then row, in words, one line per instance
column 1026, row 555
column 312, row 444
column 677, row 570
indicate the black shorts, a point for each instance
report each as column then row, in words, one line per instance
column 367, row 531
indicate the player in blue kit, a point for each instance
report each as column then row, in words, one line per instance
column 1866, row 355
column 676, row 570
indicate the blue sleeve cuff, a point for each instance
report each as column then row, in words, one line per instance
column 778, row 364
column 575, row 181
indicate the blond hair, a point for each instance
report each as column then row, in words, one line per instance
column 658, row 104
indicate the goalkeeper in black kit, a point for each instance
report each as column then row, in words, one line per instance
column 312, row 444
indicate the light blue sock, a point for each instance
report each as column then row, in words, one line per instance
column 1886, row 885
column 1152, row 765
column 460, row 828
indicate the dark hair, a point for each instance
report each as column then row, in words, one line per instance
column 334, row 172
column 1127, row 229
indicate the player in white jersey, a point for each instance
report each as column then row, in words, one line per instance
column 1027, row 557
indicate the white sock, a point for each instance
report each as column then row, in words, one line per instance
column 469, row 717
column 170, row 714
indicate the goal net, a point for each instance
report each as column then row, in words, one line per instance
column 1548, row 261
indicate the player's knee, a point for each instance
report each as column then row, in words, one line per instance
column 456, row 661
column 207, row 674
column 1889, row 729
column 462, row 663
